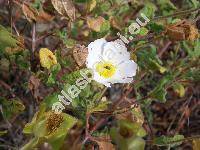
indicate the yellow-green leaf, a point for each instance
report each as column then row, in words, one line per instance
column 11, row 107
column 100, row 107
column 91, row 5
column 47, row 58
column 179, row 88
column 48, row 127
column 6, row 39
column 196, row 144
column 95, row 23
column 3, row 132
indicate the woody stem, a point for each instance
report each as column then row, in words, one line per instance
column 180, row 13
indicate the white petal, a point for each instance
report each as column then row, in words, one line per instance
column 115, row 52
column 125, row 72
column 94, row 52
column 127, row 69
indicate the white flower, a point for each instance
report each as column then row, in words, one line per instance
column 110, row 62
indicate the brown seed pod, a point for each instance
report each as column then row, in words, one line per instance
column 80, row 53
column 53, row 122
column 183, row 30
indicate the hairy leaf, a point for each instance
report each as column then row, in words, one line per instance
column 65, row 7
column 172, row 141
column 47, row 58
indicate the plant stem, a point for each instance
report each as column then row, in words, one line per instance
column 180, row 13
column 33, row 37
column 177, row 141
column 87, row 135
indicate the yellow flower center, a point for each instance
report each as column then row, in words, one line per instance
column 105, row 69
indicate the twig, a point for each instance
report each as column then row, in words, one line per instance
column 10, row 14
column 17, row 32
column 150, row 126
column 133, row 105
column 123, row 96
column 87, row 135
column 50, row 33
column 8, row 87
column 149, row 36
column 180, row 13
column 164, row 49
column 98, row 124
column 177, row 141
column 101, row 95
column 33, row 37
column 183, row 114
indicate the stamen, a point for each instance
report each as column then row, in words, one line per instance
column 105, row 69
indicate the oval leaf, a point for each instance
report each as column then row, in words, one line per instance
column 65, row 7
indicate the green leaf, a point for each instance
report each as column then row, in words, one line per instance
column 103, row 105
column 138, row 115
column 54, row 71
column 72, row 77
column 193, row 74
column 70, row 43
column 63, row 60
column 130, row 143
column 4, row 64
column 157, row 66
column 179, row 88
column 194, row 3
column 132, row 128
column 172, row 141
column 155, row 27
column 6, row 39
column 143, row 31
column 39, row 127
column 55, row 68
column 32, row 143
column 149, row 10
column 105, row 26
column 159, row 95
column 193, row 51
column 51, row 80
column 136, row 143
column 159, row 92
column 28, row 129
column 11, row 107
column 3, row 132
column 51, row 99
column 148, row 59
column 105, row 6
column 22, row 60
column 166, row 6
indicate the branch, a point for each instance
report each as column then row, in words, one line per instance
column 33, row 37
column 180, row 13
